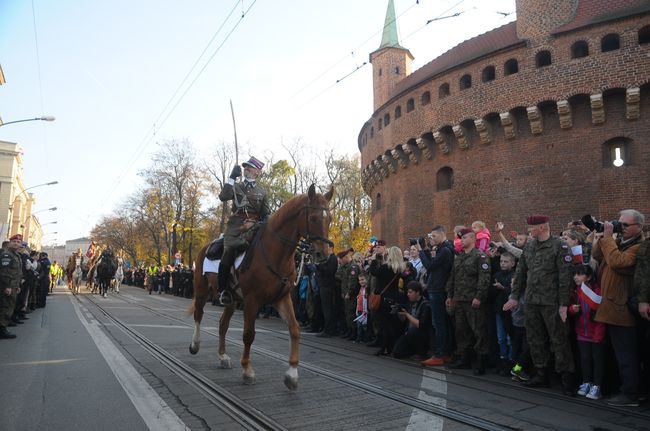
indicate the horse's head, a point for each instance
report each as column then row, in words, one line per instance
column 315, row 225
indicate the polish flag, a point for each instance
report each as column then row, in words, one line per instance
column 589, row 296
column 91, row 250
column 576, row 250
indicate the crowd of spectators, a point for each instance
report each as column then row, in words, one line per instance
column 172, row 280
column 521, row 304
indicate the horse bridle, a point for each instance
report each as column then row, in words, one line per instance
column 309, row 237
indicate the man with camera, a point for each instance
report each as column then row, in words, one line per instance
column 617, row 258
column 544, row 270
column 415, row 340
column 467, row 289
column 438, row 261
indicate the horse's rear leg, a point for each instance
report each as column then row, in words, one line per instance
column 250, row 312
column 224, row 324
column 285, row 308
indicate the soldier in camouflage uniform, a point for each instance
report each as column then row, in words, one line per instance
column 11, row 274
column 544, row 269
column 347, row 277
column 467, row 289
column 250, row 205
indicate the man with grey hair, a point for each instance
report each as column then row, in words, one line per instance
column 617, row 259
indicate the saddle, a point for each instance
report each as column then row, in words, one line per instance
column 215, row 249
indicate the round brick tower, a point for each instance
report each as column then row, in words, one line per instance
column 547, row 114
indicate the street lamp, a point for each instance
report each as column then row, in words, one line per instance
column 46, row 209
column 44, row 118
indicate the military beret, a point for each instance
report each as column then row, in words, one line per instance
column 17, row 237
column 342, row 254
column 381, row 242
column 464, row 231
column 535, row 219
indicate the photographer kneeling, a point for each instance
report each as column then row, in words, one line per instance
column 415, row 340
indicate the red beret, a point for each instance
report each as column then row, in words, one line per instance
column 381, row 242
column 464, row 231
column 342, row 254
column 534, row 219
column 17, row 237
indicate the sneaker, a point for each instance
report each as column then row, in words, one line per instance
column 594, row 393
column 519, row 374
column 433, row 361
column 622, row 400
column 584, row 389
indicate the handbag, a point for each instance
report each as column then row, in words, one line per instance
column 374, row 300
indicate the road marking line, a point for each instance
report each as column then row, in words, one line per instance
column 153, row 410
column 431, row 382
column 48, row 362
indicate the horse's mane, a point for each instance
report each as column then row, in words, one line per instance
column 289, row 208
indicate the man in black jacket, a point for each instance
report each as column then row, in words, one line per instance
column 325, row 278
column 439, row 261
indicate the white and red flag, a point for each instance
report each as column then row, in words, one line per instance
column 591, row 298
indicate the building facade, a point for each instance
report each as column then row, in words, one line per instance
column 546, row 114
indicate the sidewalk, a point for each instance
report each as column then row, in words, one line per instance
column 54, row 377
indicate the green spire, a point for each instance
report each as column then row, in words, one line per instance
column 390, row 37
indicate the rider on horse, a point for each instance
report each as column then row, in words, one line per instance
column 250, row 205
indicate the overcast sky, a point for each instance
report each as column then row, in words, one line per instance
column 113, row 73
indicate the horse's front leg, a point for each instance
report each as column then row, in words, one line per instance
column 200, row 297
column 224, row 324
column 250, row 312
column 285, row 308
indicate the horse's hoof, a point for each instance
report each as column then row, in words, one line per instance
column 226, row 364
column 194, row 350
column 291, row 383
column 248, row 380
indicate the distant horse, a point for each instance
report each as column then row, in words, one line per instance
column 119, row 275
column 105, row 270
column 269, row 278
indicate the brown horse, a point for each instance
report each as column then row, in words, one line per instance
column 269, row 278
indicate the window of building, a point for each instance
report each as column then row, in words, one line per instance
column 511, row 66
column 372, row 132
column 426, row 98
column 489, row 74
column 443, row 91
column 616, row 152
column 380, row 124
column 465, row 82
column 398, row 111
column 379, row 71
column 397, row 71
column 611, row 42
column 644, row 35
column 378, row 202
column 410, row 105
column 386, row 119
column 543, row 58
column 444, row 179
column 579, row 49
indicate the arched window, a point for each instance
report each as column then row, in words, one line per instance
column 444, row 179
column 380, row 124
column 616, row 152
column 610, row 42
column 465, row 82
column 386, row 119
column 488, row 74
column 398, row 111
column 579, row 49
column 410, row 105
column 378, row 202
column 443, row 91
column 426, row 98
column 511, row 66
column 543, row 58
column 644, row 35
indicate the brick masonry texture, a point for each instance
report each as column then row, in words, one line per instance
column 560, row 171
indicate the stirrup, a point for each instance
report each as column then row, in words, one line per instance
column 226, row 298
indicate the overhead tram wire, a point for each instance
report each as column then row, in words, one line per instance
column 437, row 18
column 351, row 52
column 146, row 140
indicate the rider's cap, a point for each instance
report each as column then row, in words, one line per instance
column 254, row 163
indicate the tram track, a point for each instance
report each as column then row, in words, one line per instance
column 376, row 390
column 241, row 412
column 321, row 344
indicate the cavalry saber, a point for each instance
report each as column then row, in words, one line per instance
column 234, row 127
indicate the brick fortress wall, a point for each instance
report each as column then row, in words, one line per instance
column 533, row 141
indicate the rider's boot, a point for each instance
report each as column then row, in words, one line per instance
column 223, row 278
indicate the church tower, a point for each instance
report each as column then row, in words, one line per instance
column 391, row 62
